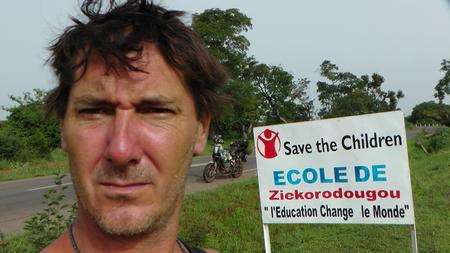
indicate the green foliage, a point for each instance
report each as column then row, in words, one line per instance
column 13, row 170
column 18, row 243
column 43, row 227
column 46, row 226
column 431, row 113
column 346, row 94
column 443, row 86
column 259, row 94
column 9, row 144
column 222, row 32
column 27, row 133
column 282, row 98
column 434, row 142
column 242, row 112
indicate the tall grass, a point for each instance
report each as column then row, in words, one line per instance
column 56, row 164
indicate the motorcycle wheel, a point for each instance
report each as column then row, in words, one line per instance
column 237, row 170
column 209, row 173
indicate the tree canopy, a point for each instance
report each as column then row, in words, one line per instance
column 431, row 113
column 222, row 32
column 443, row 86
column 344, row 94
column 259, row 94
column 283, row 99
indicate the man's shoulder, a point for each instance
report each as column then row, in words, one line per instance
column 62, row 244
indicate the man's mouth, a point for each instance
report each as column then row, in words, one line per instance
column 123, row 188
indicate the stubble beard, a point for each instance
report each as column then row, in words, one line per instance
column 126, row 224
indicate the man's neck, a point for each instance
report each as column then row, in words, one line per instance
column 90, row 238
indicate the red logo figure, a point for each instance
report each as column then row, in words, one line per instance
column 271, row 143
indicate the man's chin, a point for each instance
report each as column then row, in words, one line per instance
column 129, row 221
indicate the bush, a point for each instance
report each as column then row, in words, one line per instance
column 27, row 133
column 43, row 227
column 9, row 145
column 46, row 226
column 432, row 143
column 431, row 113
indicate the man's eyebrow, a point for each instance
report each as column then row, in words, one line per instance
column 89, row 100
column 156, row 101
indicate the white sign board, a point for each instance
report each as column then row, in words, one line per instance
column 343, row 170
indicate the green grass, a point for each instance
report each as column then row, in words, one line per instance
column 228, row 219
column 409, row 125
column 20, row 170
column 16, row 243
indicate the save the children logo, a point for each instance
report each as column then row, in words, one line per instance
column 268, row 143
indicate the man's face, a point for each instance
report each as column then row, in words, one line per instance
column 130, row 140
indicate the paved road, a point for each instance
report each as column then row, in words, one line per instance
column 22, row 198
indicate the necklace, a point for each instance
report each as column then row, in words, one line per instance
column 72, row 239
column 77, row 250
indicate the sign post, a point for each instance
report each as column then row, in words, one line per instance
column 414, row 248
column 266, row 237
column 351, row 170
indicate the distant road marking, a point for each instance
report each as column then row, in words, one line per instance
column 46, row 187
column 199, row 164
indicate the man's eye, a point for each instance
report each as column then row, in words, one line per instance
column 95, row 111
column 159, row 110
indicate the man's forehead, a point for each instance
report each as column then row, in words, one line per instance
column 156, row 76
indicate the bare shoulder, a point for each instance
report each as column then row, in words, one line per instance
column 211, row 251
column 62, row 244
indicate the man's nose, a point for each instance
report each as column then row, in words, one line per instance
column 123, row 146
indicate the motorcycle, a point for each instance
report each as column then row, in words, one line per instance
column 239, row 148
column 226, row 162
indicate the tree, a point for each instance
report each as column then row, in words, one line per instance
column 27, row 131
column 346, row 94
column 222, row 32
column 283, row 99
column 259, row 93
column 431, row 113
column 443, row 86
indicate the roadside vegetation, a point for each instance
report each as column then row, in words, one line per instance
column 228, row 218
column 54, row 164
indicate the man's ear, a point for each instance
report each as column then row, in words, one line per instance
column 202, row 133
column 61, row 135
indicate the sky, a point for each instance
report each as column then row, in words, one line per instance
column 403, row 40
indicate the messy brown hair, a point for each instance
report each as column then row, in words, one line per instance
column 113, row 32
